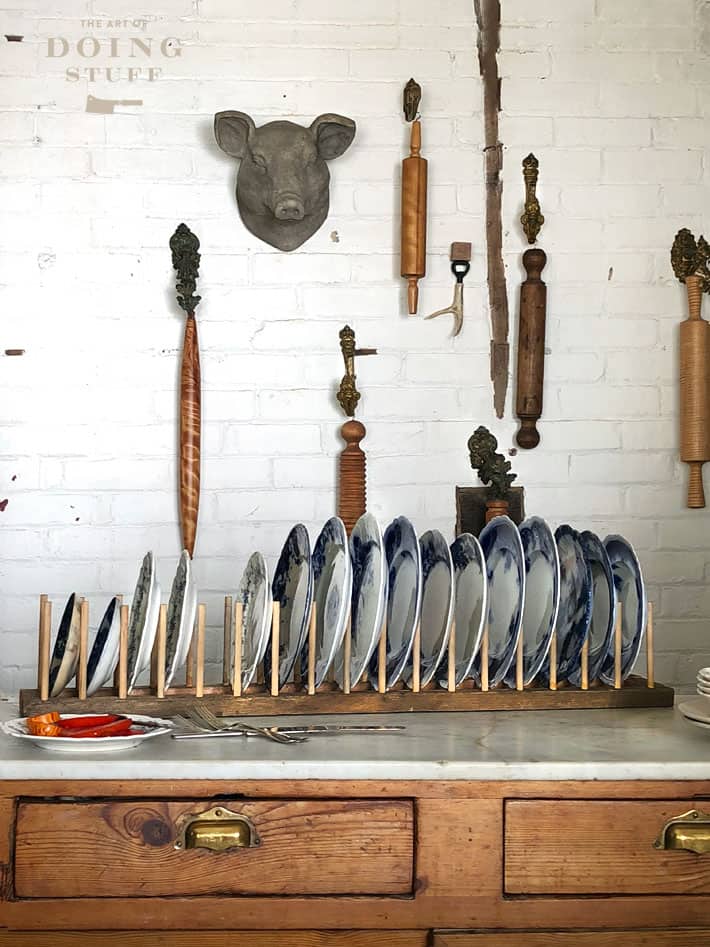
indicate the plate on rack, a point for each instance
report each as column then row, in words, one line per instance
column 601, row 629
column 505, row 568
column 369, row 596
column 143, row 620
column 255, row 595
column 542, row 596
column 182, row 607
column 154, row 727
column 104, row 651
column 404, row 590
column 65, row 654
column 575, row 613
column 470, row 602
column 437, row 609
column 631, row 595
column 332, row 589
column 292, row 588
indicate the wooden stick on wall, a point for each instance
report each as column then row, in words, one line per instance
column 650, row 681
column 123, row 654
column 45, row 635
column 200, row 669
column 160, row 651
column 227, row 640
column 83, row 649
column 275, row 631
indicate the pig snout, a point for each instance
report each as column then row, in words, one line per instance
column 288, row 206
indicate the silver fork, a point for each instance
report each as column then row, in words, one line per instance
column 203, row 716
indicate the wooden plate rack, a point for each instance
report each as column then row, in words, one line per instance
column 300, row 696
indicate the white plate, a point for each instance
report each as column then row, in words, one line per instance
column 369, row 596
column 182, row 606
column 292, row 588
column 143, row 620
column 471, row 605
column 65, row 654
column 437, row 602
column 696, row 709
column 601, row 628
column 104, row 652
column 255, row 595
column 18, row 728
column 631, row 594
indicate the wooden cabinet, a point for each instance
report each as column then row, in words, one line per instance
column 348, row 864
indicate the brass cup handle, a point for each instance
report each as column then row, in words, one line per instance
column 689, row 832
column 217, row 830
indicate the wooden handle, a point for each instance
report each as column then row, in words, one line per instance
column 696, row 494
column 414, row 188
column 352, row 493
column 531, row 348
column 190, row 412
column 694, row 392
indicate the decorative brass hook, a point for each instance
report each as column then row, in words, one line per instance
column 531, row 219
column 348, row 395
column 410, row 100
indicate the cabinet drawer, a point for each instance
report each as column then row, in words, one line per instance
column 104, row 849
column 677, row 938
column 597, row 847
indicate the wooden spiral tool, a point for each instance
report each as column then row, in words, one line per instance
column 690, row 264
column 414, row 199
column 186, row 260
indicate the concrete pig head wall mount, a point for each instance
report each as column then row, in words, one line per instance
column 283, row 181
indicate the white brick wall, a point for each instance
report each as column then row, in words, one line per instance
column 612, row 98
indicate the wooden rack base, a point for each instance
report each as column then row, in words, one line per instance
column 300, row 696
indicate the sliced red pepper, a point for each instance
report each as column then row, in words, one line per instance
column 81, row 723
column 114, row 729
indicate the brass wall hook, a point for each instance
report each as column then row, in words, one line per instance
column 348, row 395
column 531, row 219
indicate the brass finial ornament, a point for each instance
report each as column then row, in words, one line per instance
column 411, row 98
column 186, row 261
column 691, row 258
column 493, row 470
column 531, row 219
column 348, row 395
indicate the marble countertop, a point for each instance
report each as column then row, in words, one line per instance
column 534, row 745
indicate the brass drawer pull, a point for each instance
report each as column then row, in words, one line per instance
column 689, row 832
column 218, row 830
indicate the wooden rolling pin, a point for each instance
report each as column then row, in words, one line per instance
column 694, row 392
column 531, row 349
column 414, row 186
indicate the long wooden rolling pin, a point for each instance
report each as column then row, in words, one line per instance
column 694, row 392
column 531, row 349
column 414, row 186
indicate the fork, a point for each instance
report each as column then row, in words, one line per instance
column 203, row 716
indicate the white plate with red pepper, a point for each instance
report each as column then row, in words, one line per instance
column 83, row 733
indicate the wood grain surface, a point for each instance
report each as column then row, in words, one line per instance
column 190, row 434
column 113, row 849
column 531, row 349
column 201, row 938
column 597, row 847
column 414, row 201
column 598, row 938
column 352, row 486
column 694, row 392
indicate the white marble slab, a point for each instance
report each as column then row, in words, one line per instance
column 535, row 745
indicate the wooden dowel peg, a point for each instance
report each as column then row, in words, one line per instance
column 312, row 651
column 42, row 603
column 553, row 661
column 161, row 639
column 190, row 662
column 347, row 652
column 451, row 669
column 275, row 630
column 484, row 658
column 83, row 649
column 123, row 654
column 519, row 663
column 45, row 636
column 200, row 669
column 617, row 647
column 227, row 640
column 382, row 659
column 650, row 681
column 237, row 666
column 417, row 660
column 585, row 664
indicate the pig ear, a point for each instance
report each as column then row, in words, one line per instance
column 232, row 131
column 333, row 135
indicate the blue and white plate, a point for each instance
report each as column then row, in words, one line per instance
column 601, row 629
column 471, row 603
column 575, row 613
column 332, row 588
column 182, row 607
column 104, row 651
column 292, row 588
column 505, row 567
column 404, row 590
column 143, row 620
column 437, row 602
column 542, row 596
column 369, row 596
column 631, row 595
column 255, row 595
column 65, row 653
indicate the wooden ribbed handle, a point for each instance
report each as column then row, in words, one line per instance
column 694, row 392
column 190, row 411
column 531, row 348
column 352, row 494
column 414, row 188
